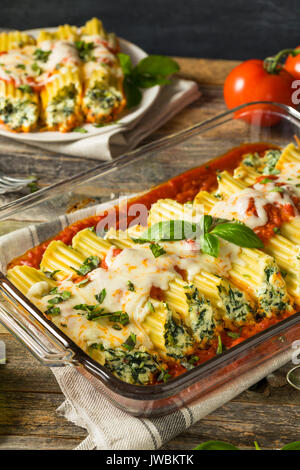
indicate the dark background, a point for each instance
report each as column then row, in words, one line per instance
column 230, row 29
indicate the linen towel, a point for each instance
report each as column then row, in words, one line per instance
column 121, row 138
column 108, row 427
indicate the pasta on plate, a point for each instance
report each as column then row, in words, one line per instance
column 150, row 302
column 61, row 79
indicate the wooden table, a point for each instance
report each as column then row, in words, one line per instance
column 29, row 394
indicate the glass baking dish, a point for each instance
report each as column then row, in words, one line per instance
column 131, row 174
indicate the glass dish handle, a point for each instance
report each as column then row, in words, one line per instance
column 33, row 330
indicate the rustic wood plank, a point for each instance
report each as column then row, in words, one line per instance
column 17, row 442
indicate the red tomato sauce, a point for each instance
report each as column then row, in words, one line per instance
column 277, row 214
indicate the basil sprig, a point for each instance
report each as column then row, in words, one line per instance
column 150, row 71
column 208, row 232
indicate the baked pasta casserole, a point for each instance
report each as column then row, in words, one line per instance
column 61, row 79
column 217, row 261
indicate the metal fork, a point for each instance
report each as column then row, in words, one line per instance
column 9, row 184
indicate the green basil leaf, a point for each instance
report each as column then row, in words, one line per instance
column 239, row 234
column 157, row 65
column 132, row 92
column 207, row 221
column 170, row 230
column 210, row 245
column 215, row 445
column 125, row 62
column 292, row 446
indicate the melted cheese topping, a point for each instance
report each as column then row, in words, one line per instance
column 21, row 66
column 290, row 174
column 16, row 66
column 237, row 205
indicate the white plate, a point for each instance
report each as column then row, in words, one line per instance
column 149, row 96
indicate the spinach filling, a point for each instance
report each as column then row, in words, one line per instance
column 62, row 106
column 264, row 165
column 236, row 304
column 17, row 112
column 178, row 341
column 252, row 159
column 271, row 158
column 101, row 98
column 201, row 315
column 272, row 296
column 135, row 367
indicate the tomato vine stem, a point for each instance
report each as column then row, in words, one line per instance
column 273, row 64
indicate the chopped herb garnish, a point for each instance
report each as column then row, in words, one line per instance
column 130, row 286
column 84, row 50
column 233, row 334
column 51, row 274
column 276, row 230
column 266, row 180
column 90, row 263
column 277, row 189
column 157, row 250
column 83, row 283
column 220, row 345
column 54, row 311
column 101, row 296
column 41, row 55
column 65, row 295
column 54, row 290
column 120, row 317
column 130, row 342
column 25, row 88
column 150, row 306
column 97, row 346
column 36, row 68
column 116, row 326
column 20, row 66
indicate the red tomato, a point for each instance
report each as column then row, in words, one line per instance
column 292, row 64
column 250, row 81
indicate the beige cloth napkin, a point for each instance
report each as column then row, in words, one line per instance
column 120, row 138
column 112, row 429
